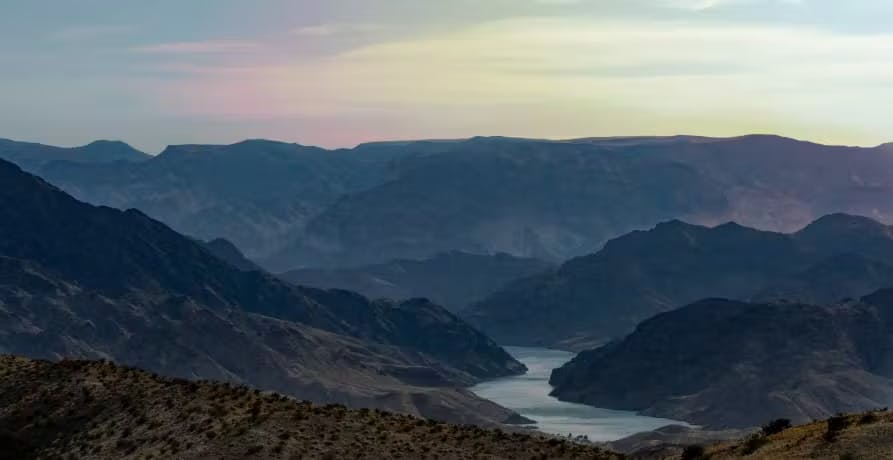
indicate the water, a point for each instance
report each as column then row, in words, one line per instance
column 528, row 395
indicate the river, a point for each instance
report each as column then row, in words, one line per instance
column 528, row 395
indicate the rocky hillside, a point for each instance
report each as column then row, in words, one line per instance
column 865, row 436
column 81, row 409
column 452, row 279
column 292, row 206
column 77, row 280
column 593, row 299
column 721, row 363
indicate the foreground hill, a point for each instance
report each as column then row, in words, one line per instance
column 452, row 279
column 84, row 281
column 866, row 436
column 593, row 299
column 293, row 206
column 83, row 409
column 722, row 364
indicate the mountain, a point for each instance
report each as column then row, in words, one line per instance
column 554, row 200
column 290, row 206
column 257, row 194
column 834, row 279
column 228, row 252
column 727, row 364
column 33, row 157
column 590, row 300
column 100, row 410
column 84, row 281
column 452, row 279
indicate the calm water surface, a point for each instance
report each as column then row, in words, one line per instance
column 528, row 395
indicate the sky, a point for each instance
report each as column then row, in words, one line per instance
column 340, row 72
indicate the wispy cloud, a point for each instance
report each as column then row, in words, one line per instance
column 701, row 5
column 326, row 30
column 576, row 77
column 89, row 32
column 200, row 47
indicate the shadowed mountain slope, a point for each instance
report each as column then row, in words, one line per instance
column 77, row 280
column 453, row 279
column 593, row 299
column 725, row 364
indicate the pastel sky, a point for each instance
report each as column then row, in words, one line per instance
column 340, row 72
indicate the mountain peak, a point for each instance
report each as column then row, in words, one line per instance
column 841, row 223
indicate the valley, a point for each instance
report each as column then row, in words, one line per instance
column 529, row 395
column 446, row 230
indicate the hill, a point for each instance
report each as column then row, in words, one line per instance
column 865, row 436
column 452, row 279
column 593, row 299
column 95, row 409
column 727, row 364
column 95, row 282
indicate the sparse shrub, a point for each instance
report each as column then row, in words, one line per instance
column 868, row 418
column 753, row 444
column 694, row 452
column 776, row 426
column 847, row 456
column 836, row 424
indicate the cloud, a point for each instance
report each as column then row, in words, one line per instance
column 200, row 47
column 89, row 32
column 327, row 30
column 700, row 5
column 574, row 77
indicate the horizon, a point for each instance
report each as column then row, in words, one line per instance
column 456, row 139
column 346, row 72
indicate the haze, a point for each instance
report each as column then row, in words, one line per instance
column 341, row 72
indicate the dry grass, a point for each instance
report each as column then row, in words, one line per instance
column 864, row 436
column 92, row 410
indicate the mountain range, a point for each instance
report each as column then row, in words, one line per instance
column 593, row 299
column 96, row 282
column 290, row 206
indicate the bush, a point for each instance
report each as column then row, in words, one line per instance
column 694, row 452
column 776, row 426
column 753, row 444
column 836, row 424
column 868, row 418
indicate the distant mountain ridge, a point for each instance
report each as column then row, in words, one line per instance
column 593, row 299
column 291, row 206
column 84, row 281
column 452, row 279
column 33, row 156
